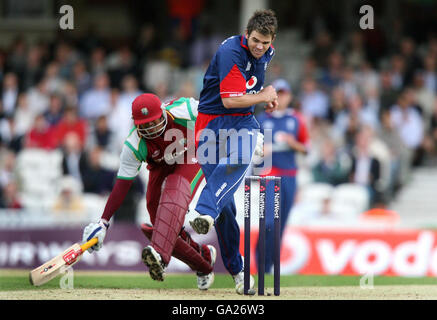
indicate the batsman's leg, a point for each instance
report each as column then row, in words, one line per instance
column 151, row 258
column 170, row 216
column 187, row 250
column 200, row 258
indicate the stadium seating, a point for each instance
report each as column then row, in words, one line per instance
column 315, row 192
column 39, row 172
column 349, row 200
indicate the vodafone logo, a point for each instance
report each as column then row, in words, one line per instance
column 251, row 82
column 295, row 252
column 324, row 252
column 408, row 258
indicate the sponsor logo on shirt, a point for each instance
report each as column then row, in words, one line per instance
column 251, row 82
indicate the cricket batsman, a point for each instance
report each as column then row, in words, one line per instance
column 173, row 181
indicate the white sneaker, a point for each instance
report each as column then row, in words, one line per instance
column 239, row 282
column 153, row 260
column 205, row 281
column 202, row 224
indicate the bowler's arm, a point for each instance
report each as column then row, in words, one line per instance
column 266, row 95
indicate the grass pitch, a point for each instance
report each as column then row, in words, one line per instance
column 14, row 285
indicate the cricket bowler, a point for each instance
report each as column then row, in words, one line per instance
column 173, row 181
column 232, row 86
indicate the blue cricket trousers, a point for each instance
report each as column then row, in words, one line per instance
column 225, row 145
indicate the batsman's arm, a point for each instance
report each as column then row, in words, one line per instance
column 98, row 229
column 129, row 168
column 116, row 198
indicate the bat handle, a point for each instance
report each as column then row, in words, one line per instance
column 88, row 244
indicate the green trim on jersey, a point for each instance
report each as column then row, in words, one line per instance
column 135, row 151
column 180, row 102
column 190, row 111
column 186, row 123
column 196, row 179
column 125, row 178
column 131, row 130
column 183, row 116
column 142, row 148
column 140, row 151
column 175, row 103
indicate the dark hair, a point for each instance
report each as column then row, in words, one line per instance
column 264, row 22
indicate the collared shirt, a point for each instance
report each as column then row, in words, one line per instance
column 182, row 114
column 233, row 72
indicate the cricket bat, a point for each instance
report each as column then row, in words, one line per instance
column 52, row 268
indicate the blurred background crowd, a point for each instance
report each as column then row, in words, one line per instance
column 368, row 96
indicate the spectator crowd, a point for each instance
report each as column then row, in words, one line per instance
column 370, row 122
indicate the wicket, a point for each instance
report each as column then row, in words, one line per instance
column 262, row 231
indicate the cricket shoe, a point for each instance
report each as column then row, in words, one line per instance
column 204, row 281
column 202, row 224
column 153, row 261
column 239, row 282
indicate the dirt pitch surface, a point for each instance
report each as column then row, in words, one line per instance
column 132, row 286
column 421, row 292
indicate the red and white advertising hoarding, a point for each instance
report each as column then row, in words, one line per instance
column 336, row 251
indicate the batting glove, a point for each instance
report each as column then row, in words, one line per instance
column 95, row 230
column 259, row 149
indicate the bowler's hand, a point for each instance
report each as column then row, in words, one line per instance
column 271, row 106
column 269, row 94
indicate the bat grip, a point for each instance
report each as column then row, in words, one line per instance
column 88, row 244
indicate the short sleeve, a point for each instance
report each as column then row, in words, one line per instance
column 232, row 79
column 302, row 134
column 129, row 164
column 194, row 105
